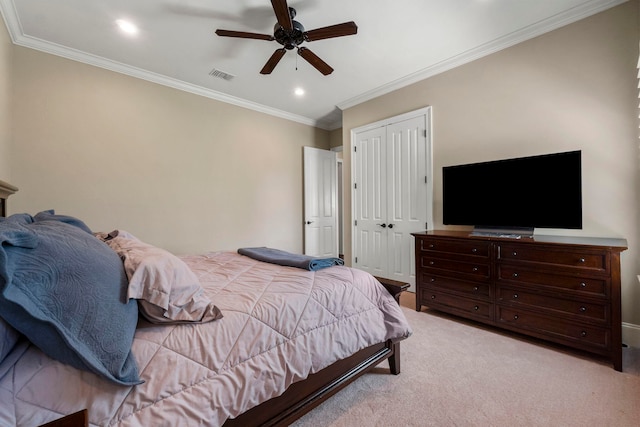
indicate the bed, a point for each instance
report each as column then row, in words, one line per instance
column 208, row 339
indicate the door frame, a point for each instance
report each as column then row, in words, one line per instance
column 425, row 111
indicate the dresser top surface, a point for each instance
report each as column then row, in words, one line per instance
column 613, row 243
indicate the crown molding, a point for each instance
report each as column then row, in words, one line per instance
column 560, row 20
column 18, row 38
column 577, row 13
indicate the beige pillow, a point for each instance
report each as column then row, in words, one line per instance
column 165, row 287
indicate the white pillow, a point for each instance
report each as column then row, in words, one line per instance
column 165, row 287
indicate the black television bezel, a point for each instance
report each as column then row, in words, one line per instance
column 549, row 167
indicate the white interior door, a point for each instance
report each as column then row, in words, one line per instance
column 406, row 195
column 370, row 201
column 320, row 203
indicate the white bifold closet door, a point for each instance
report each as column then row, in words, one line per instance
column 391, row 196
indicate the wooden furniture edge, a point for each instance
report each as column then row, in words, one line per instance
column 77, row 419
column 395, row 287
column 6, row 190
column 303, row 396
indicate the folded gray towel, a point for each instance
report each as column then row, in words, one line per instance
column 277, row 256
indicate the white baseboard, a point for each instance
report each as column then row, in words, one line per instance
column 631, row 334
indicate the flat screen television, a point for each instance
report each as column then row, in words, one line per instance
column 515, row 195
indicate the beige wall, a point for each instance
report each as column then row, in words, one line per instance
column 180, row 171
column 571, row 89
column 5, row 101
column 335, row 138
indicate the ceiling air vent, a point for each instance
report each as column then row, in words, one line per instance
column 221, row 74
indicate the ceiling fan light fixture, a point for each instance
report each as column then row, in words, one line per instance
column 290, row 39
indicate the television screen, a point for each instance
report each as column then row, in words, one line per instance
column 528, row 192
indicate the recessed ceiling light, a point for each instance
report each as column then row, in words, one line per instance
column 299, row 91
column 127, row 26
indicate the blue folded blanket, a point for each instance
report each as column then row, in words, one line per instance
column 276, row 256
column 66, row 291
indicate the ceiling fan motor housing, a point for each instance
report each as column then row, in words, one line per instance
column 290, row 39
column 290, row 34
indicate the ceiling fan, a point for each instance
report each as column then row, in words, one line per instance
column 291, row 34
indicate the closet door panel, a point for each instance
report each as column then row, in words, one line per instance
column 406, row 193
column 370, row 197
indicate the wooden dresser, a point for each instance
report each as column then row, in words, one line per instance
column 561, row 289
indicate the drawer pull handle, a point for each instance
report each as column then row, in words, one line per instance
column 515, row 296
column 433, row 279
column 515, row 317
column 515, row 253
column 474, row 269
column 475, row 288
column 431, row 245
column 431, row 262
column 583, row 309
column 581, row 260
column 515, row 274
column 583, row 334
column 583, row 285
column 474, row 250
column 433, row 297
column 476, row 308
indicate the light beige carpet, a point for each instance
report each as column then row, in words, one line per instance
column 457, row 373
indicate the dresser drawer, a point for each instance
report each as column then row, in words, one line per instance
column 466, row 288
column 588, row 260
column 559, row 330
column 467, row 307
column 568, row 307
column 456, row 247
column 554, row 282
column 476, row 270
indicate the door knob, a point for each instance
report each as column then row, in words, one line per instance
column 309, row 222
column 383, row 225
column 390, row 225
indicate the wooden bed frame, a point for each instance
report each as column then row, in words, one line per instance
column 6, row 190
column 303, row 396
column 300, row 397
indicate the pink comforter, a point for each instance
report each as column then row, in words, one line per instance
column 280, row 324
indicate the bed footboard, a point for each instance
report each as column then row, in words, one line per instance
column 303, row 396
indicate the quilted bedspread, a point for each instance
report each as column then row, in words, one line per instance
column 280, row 324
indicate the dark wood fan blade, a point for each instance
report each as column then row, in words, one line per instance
column 315, row 60
column 338, row 30
column 273, row 61
column 244, row 35
column 281, row 9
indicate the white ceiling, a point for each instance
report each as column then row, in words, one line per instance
column 398, row 42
